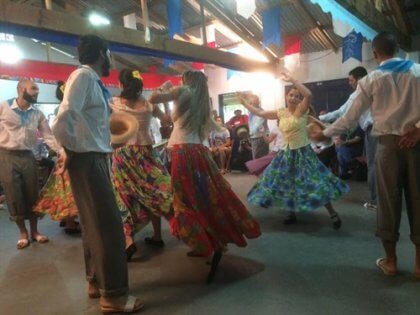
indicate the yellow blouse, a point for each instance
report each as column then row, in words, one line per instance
column 293, row 129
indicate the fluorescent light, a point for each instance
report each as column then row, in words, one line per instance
column 97, row 19
column 10, row 53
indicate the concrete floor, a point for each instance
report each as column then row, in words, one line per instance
column 308, row 268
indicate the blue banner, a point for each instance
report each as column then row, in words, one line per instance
column 352, row 46
column 271, row 27
column 173, row 11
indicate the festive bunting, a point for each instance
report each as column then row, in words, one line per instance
column 271, row 27
column 340, row 28
column 352, row 46
column 292, row 44
column 340, row 13
column 245, row 7
column 173, row 11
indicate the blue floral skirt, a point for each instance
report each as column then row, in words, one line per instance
column 296, row 181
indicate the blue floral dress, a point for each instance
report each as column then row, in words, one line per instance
column 296, row 180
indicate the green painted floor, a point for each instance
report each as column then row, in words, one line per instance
column 308, row 268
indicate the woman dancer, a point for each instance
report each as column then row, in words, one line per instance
column 295, row 180
column 142, row 182
column 207, row 213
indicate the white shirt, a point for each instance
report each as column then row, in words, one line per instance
column 365, row 119
column 180, row 136
column 82, row 122
column 257, row 125
column 394, row 100
column 18, row 128
column 278, row 141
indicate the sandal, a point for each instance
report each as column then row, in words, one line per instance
column 384, row 269
column 153, row 242
column 128, row 308
column 336, row 221
column 41, row 239
column 22, row 243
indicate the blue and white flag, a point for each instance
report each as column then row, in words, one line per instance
column 271, row 27
column 173, row 11
column 352, row 46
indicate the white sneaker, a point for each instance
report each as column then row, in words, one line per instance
column 370, row 206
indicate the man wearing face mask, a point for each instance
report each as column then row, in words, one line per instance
column 82, row 128
column 20, row 122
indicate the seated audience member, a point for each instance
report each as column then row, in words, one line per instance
column 348, row 146
column 241, row 148
column 237, row 120
column 220, row 146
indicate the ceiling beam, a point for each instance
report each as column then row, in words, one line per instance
column 226, row 19
column 24, row 15
column 377, row 21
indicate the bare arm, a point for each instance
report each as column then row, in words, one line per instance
column 303, row 106
column 156, row 97
column 267, row 114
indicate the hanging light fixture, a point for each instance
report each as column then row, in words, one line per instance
column 98, row 19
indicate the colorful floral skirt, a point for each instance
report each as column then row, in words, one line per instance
column 142, row 184
column 56, row 198
column 296, row 181
column 207, row 213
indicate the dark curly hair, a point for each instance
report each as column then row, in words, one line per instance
column 90, row 48
column 58, row 92
column 132, row 87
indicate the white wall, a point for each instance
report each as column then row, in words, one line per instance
column 313, row 67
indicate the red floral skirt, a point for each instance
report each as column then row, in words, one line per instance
column 207, row 213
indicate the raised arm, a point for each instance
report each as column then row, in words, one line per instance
column 303, row 106
column 267, row 114
column 162, row 97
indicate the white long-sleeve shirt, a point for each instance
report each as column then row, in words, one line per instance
column 18, row 128
column 365, row 119
column 393, row 96
column 82, row 122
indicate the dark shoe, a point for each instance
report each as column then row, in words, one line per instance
column 194, row 254
column 72, row 231
column 336, row 221
column 153, row 242
column 130, row 250
column 290, row 219
column 214, row 264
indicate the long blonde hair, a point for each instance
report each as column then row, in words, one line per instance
column 194, row 104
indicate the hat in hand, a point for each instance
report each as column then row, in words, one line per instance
column 123, row 127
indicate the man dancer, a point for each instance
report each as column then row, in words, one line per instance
column 19, row 123
column 82, row 127
column 366, row 123
column 391, row 92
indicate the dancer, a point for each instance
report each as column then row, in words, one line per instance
column 19, row 123
column 295, row 180
column 56, row 198
column 391, row 93
column 207, row 213
column 82, row 127
column 142, row 183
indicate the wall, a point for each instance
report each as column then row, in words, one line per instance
column 313, row 67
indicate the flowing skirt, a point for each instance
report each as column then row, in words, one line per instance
column 56, row 198
column 257, row 166
column 296, row 181
column 143, row 186
column 207, row 213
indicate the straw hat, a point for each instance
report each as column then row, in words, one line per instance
column 241, row 130
column 123, row 127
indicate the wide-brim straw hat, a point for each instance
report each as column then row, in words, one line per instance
column 241, row 129
column 123, row 127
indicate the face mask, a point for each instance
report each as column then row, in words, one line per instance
column 29, row 98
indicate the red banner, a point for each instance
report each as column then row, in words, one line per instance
column 45, row 72
column 292, row 44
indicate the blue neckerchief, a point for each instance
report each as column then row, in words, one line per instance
column 24, row 115
column 106, row 93
column 400, row 66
